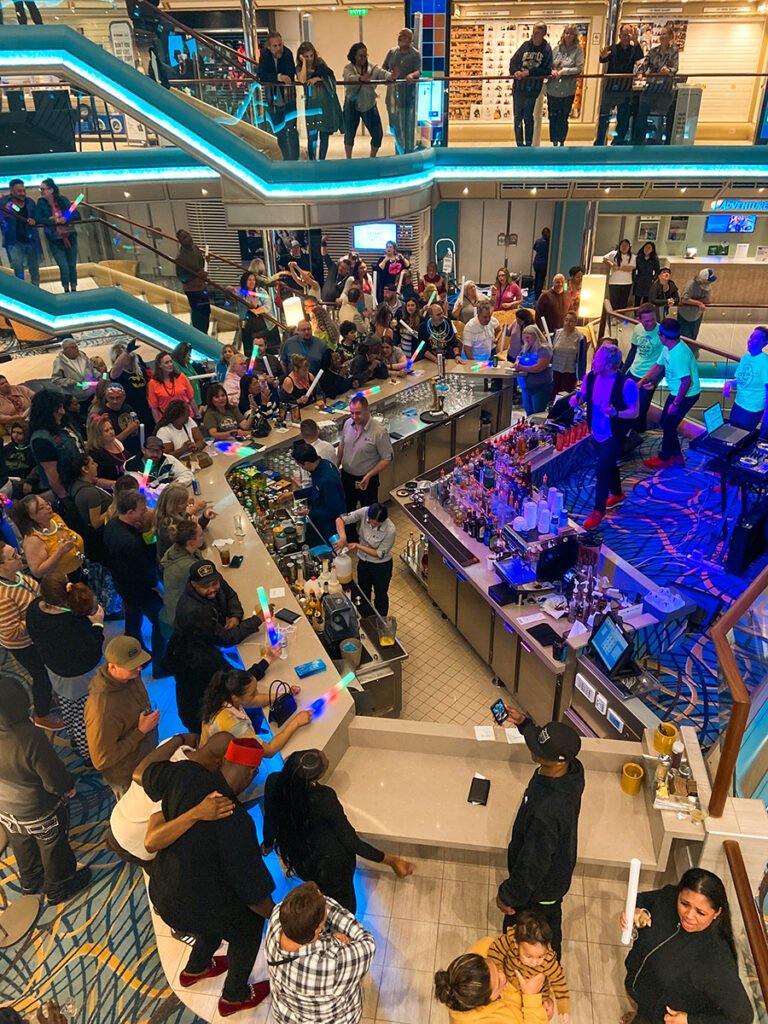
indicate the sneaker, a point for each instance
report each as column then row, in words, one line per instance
column 219, row 965
column 657, row 463
column 258, row 993
column 51, row 721
column 614, row 500
column 593, row 519
column 67, row 890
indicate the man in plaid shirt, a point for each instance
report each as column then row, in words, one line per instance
column 317, row 955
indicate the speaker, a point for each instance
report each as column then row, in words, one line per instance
column 747, row 539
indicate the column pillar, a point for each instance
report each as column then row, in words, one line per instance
column 250, row 36
column 588, row 238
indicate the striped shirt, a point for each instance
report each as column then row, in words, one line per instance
column 321, row 983
column 15, row 598
column 505, row 952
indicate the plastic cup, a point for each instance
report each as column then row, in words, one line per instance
column 225, row 554
column 632, row 778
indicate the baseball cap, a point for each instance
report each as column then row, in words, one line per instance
column 153, row 442
column 204, row 572
column 706, row 276
column 125, row 652
column 669, row 327
column 555, row 741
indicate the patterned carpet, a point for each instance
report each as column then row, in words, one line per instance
column 669, row 527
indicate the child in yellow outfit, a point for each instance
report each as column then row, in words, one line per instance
column 526, row 949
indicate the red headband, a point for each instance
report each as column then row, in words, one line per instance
column 245, row 751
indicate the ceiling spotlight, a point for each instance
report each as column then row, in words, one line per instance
column 534, row 190
column 683, row 188
column 761, row 189
column 465, row 191
column 127, row 195
column 203, row 191
column 607, row 189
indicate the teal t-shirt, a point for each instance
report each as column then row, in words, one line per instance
column 648, row 345
column 751, row 379
column 679, row 362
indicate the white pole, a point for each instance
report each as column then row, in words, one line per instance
column 315, row 382
column 631, row 901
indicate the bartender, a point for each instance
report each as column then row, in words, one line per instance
column 325, row 494
column 750, row 382
column 613, row 401
column 365, row 451
column 374, row 551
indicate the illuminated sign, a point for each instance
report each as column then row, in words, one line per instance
column 739, row 205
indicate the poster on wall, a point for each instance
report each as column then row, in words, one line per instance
column 648, row 33
column 647, row 230
column 678, row 228
column 482, row 51
column 121, row 41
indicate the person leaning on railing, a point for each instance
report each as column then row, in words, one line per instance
column 360, row 100
column 567, row 65
column 620, row 59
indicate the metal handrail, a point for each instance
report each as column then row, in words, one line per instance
column 754, row 925
column 237, row 59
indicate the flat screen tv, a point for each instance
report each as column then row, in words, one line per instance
column 730, row 224
column 373, row 237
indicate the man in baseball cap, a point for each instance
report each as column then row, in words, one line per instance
column 694, row 299
column 211, row 606
column 541, row 856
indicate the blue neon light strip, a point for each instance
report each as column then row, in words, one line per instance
column 101, row 307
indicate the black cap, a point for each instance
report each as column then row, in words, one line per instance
column 204, row 572
column 555, row 741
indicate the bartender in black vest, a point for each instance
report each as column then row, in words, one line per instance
column 613, row 401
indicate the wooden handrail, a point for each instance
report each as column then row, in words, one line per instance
column 753, row 922
column 624, row 315
column 237, row 59
column 737, row 723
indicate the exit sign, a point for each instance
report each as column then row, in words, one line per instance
column 357, row 12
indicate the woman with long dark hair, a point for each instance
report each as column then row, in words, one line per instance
column 323, row 111
column 223, row 420
column 360, row 100
column 182, row 360
column 168, row 385
column 683, row 965
column 230, row 692
column 305, row 822
column 53, row 213
column 51, row 440
column 647, row 269
column 621, row 262
column 179, row 433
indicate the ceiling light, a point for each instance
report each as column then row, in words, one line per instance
column 683, row 188
column 534, row 190
column 203, row 191
column 127, row 195
column 465, row 191
column 608, row 189
column 761, row 189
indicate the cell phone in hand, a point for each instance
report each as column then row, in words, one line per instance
column 499, row 712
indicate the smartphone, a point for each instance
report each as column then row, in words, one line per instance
column 235, row 561
column 478, row 792
column 286, row 615
column 310, row 668
column 499, row 712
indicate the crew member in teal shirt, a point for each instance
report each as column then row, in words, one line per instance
column 644, row 349
column 678, row 364
column 750, row 382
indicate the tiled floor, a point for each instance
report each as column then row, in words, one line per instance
column 443, row 679
column 421, row 923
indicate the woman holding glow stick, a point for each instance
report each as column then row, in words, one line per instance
column 56, row 213
column 683, row 967
column 306, row 823
column 229, row 693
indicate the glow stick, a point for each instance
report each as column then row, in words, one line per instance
column 74, row 206
column 254, row 357
column 15, row 207
column 317, row 706
column 400, row 281
column 147, row 470
column 314, row 383
column 142, row 433
column 415, row 355
column 546, row 328
column 269, row 622
column 269, row 367
column 433, row 297
column 631, row 901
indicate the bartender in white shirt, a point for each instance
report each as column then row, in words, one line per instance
column 482, row 334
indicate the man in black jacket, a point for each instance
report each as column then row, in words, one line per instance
column 34, row 790
column 210, row 602
column 133, row 564
column 276, row 65
column 620, row 59
column 530, row 65
column 541, row 856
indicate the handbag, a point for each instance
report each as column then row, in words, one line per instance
column 260, row 426
column 283, row 704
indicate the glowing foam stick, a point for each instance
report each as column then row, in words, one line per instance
column 317, row 706
column 254, row 357
column 314, row 383
column 142, row 434
column 15, row 207
column 631, row 901
column 74, row 206
column 433, row 297
column 268, row 365
column 546, row 328
column 269, row 622
column 415, row 355
column 145, row 476
column 400, row 281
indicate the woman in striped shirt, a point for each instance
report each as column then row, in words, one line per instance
column 17, row 592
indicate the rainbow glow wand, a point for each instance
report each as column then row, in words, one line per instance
column 269, row 622
column 317, row 706
column 254, row 357
column 415, row 355
column 145, row 476
column 74, row 206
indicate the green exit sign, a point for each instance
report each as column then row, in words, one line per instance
column 357, row 12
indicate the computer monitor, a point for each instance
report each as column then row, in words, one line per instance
column 611, row 645
column 713, row 418
column 730, row 224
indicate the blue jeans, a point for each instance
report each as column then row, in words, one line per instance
column 25, row 253
column 66, row 260
column 743, row 418
column 535, row 399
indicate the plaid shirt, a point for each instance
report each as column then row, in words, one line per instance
column 321, row 983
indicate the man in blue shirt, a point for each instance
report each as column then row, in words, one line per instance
column 305, row 343
column 326, row 494
column 20, row 235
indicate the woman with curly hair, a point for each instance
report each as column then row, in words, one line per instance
column 174, row 506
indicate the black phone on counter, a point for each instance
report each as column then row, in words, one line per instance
column 286, row 615
column 499, row 712
column 478, row 791
column 235, row 561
